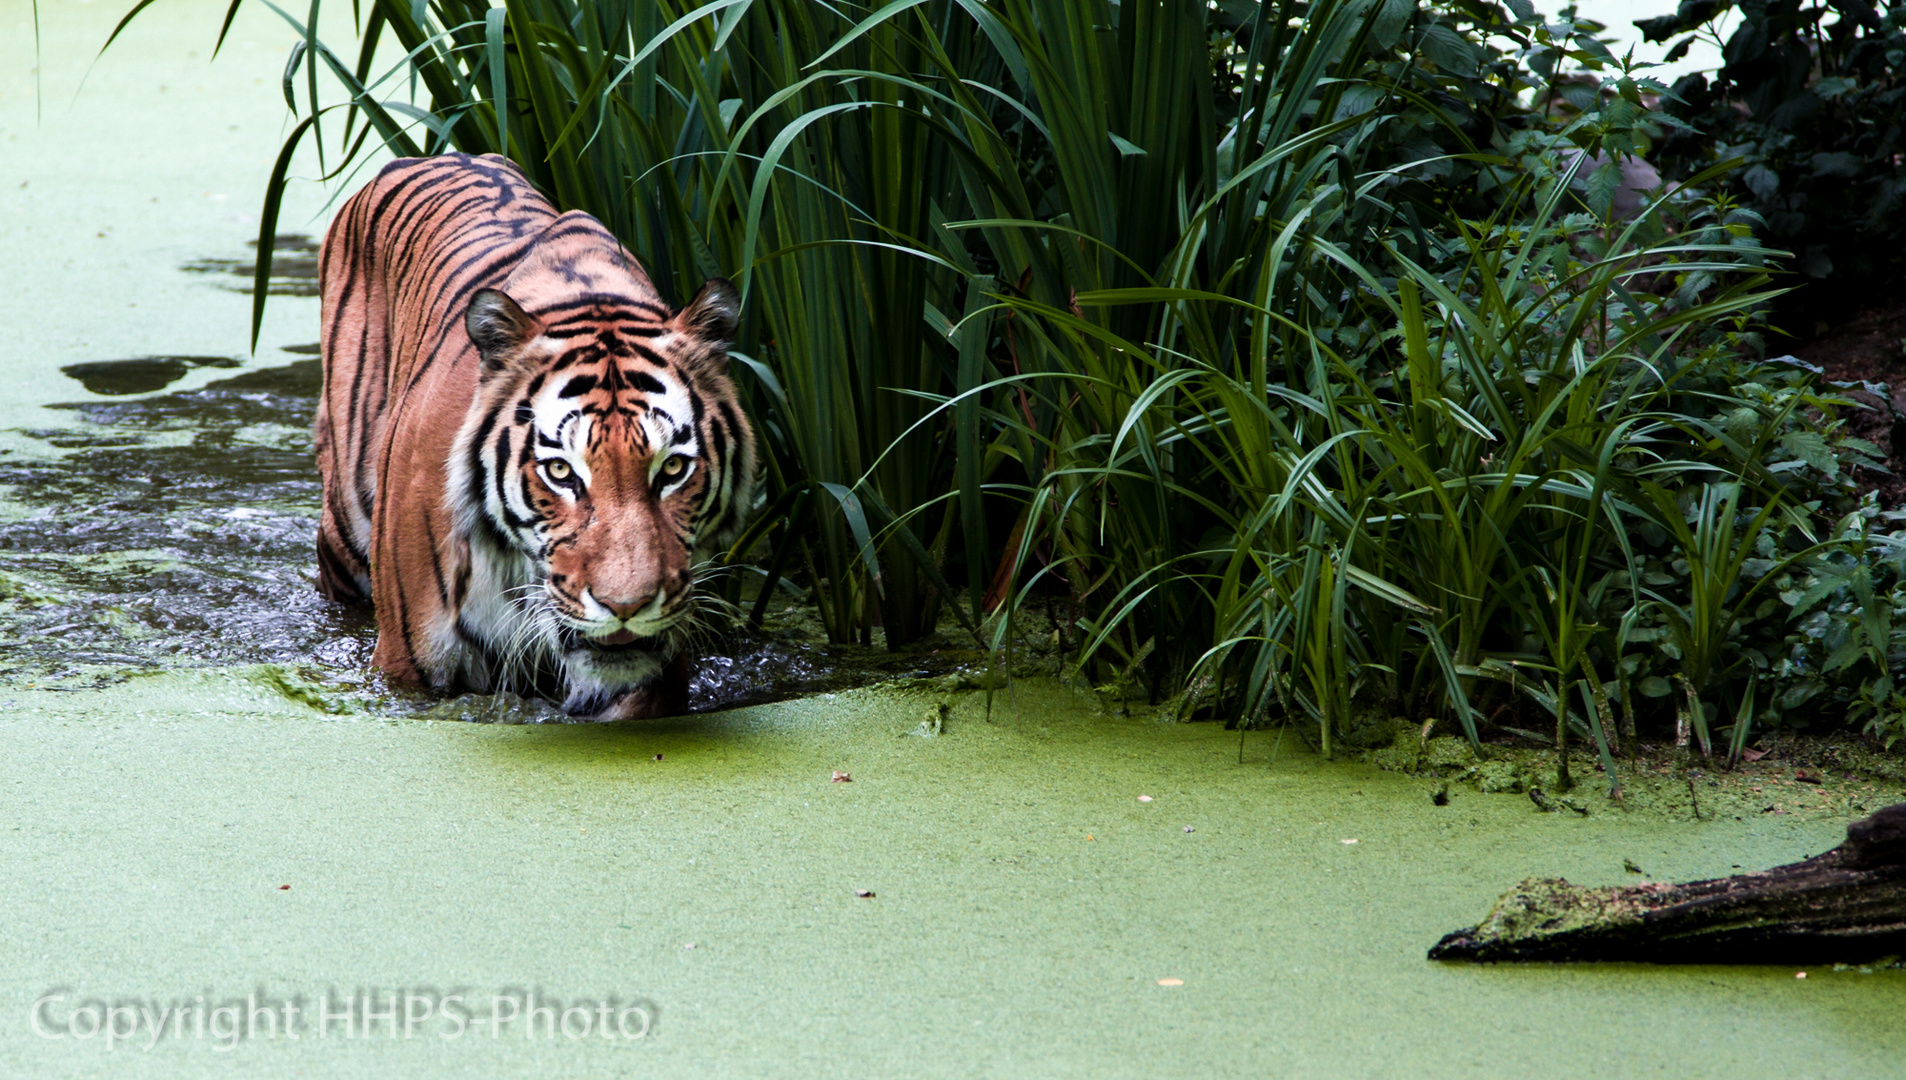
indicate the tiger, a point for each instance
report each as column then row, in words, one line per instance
column 525, row 454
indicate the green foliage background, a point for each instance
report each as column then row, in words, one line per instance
column 1811, row 96
column 1296, row 351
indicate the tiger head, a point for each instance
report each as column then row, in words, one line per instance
column 605, row 458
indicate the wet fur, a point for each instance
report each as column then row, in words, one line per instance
column 525, row 452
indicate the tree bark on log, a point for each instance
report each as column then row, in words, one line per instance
column 1845, row 906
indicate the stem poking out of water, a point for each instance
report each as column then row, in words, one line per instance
column 1563, row 782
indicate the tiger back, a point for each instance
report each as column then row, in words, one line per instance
column 525, row 453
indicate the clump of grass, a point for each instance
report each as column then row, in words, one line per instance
column 1369, row 525
column 1296, row 348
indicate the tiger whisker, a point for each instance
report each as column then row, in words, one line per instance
column 525, row 651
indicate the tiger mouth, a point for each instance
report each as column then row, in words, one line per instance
column 622, row 642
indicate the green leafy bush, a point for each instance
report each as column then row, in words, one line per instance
column 1811, row 96
column 1296, row 352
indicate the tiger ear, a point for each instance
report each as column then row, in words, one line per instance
column 714, row 313
column 498, row 327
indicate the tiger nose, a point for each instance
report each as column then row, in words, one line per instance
column 671, row 595
column 628, row 609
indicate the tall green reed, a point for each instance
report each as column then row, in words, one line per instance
column 1315, row 390
column 1451, row 505
column 703, row 137
column 862, row 174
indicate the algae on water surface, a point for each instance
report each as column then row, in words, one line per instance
column 1026, row 906
column 1026, row 902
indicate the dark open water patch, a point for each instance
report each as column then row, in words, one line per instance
column 178, row 530
column 294, row 267
column 140, row 374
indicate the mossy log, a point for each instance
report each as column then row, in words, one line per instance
column 1846, row 906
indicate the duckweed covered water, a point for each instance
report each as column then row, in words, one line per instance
column 1026, row 903
column 202, row 792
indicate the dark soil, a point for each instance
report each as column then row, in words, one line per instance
column 1869, row 351
column 1814, row 778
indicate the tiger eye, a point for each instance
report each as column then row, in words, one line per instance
column 558, row 469
column 674, row 466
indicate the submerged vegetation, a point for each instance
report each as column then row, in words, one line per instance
column 1314, row 361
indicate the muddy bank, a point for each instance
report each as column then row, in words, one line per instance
column 1815, row 779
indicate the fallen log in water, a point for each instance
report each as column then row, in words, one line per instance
column 1847, row 905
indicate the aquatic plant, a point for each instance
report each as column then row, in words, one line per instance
column 1310, row 356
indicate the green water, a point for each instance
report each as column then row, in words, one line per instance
column 185, row 729
column 1025, row 902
